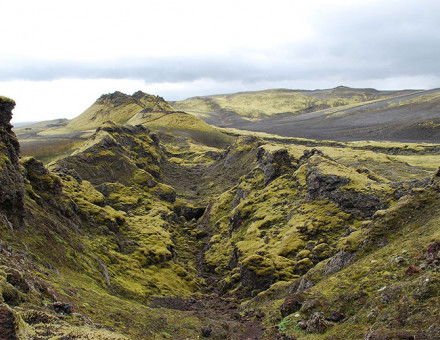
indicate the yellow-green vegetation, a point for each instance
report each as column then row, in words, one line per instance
column 384, row 287
column 183, row 124
column 430, row 124
column 47, row 151
column 425, row 98
column 280, row 230
column 173, row 229
column 269, row 102
column 6, row 100
column 117, row 107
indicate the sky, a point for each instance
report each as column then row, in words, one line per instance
column 57, row 57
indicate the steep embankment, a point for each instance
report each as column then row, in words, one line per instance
column 11, row 180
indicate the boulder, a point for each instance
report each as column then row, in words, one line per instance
column 291, row 305
column 8, row 325
column 341, row 260
column 62, row 308
column 317, row 323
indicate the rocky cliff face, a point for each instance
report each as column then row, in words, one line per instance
column 11, row 180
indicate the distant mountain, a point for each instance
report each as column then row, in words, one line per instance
column 341, row 113
column 261, row 104
column 26, row 130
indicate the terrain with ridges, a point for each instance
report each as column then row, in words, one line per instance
column 174, row 229
column 117, row 107
column 341, row 113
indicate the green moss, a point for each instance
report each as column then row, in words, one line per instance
column 118, row 237
column 7, row 100
column 144, row 178
column 269, row 102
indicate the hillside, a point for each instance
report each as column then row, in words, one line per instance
column 119, row 108
column 342, row 113
column 54, row 139
column 157, row 232
column 261, row 104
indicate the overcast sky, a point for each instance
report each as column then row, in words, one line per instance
column 57, row 57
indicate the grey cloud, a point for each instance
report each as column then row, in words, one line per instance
column 393, row 39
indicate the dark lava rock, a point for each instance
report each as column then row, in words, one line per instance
column 412, row 270
column 41, row 179
column 116, row 98
column 189, row 212
column 8, row 330
column 427, row 286
column 168, row 196
column 390, row 294
column 336, row 317
column 61, row 307
column 11, row 180
column 317, row 323
column 300, row 285
column 206, row 332
column 341, row 260
column 6, row 107
column 302, row 324
column 260, row 315
column 16, row 279
column 311, row 305
column 326, row 186
column 256, row 274
column 236, row 220
column 33, row 317
column 274, row 163
column 432, row 254
column 309, row 153
column 291, row 305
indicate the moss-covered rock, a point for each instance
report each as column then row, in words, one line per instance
column 11, row 180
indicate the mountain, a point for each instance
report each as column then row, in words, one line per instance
column 260, row 104
column 342, row 113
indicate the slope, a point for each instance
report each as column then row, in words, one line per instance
column 337, row 114
column 260, row 104
column 117, row 107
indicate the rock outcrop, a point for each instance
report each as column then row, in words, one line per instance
column 11, row 179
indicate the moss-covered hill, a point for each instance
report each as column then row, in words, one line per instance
column 260, row 104
column 172, row 229
column 119, row 108
column 342, row 113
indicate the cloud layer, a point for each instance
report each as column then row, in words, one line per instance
column 176, row 46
